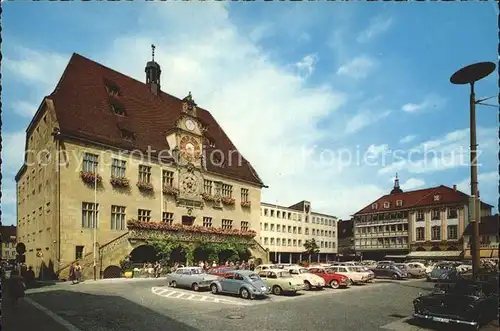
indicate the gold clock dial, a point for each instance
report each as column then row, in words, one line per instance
column 190, row 147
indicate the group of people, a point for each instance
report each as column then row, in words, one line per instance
column 75, row 273
column 153, row 270
column 243, row 265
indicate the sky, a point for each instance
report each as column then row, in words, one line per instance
column 327, row 100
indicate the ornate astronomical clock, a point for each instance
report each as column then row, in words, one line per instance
column 190, row 148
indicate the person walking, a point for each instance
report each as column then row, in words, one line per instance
column 78, row 273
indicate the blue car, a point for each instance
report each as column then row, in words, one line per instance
column 441, row 271
column 244, row 283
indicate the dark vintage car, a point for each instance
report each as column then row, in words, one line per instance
column 389, row 271
column 441, row 270
column 467, row 303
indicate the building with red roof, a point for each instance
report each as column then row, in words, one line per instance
column 105, row 148
column 488, row 234
column 429, row 223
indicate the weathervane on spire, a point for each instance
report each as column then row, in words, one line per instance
column 153, row 51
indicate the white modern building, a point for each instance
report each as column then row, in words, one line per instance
column 285, row 230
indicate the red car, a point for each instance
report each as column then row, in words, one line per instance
column 219, row 271
column 333, row 279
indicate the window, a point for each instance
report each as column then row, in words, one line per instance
column 118, row 168
column 307, row 231
column 127, row 135
column 207, row 222
column 244, row 226
column 78, row 252
column 299, row 243
column 227, row 190
column 144, row 174
column 374, row 206
column 90, row 215
column 278, row 227
column 144, row 215
column 289, row 229
column 272, row 227
column 117, row 218
column 266, row 212
column 435, row 214
column 420, row 216
column 452, row 231
column 118, row 109
column 289, row 242
column 244, row 195
column 266, row 226
column 452, row 213
column 168, row 178
column 399, row 203
column 90, row 162
column 227, row 224
column 168, row 218
column 420, row 234
column 207, row 188
column 436, row 233
column 437, row 197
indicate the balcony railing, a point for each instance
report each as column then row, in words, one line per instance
column 382, row 234
column 372, row 222
column 382, row 246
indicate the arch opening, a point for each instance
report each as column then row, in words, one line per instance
column 112, row 271
column 435, row 249
column 144, row 254
column 420, row 249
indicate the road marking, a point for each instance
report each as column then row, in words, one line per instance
column 182, row 295
column 58, row 319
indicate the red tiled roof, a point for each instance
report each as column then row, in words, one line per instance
column 7, row 232
column 487, row 226
column 82, row 106
column 418, row 198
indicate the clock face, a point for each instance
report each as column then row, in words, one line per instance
column 190, row 125
column 190, row 147
column 189, row 184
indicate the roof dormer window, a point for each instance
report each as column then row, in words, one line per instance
column 437, row 197
column 387, row 204
column 374, row 205
column 112, row 89
column 399, row 203
column 117, row 109
column 127, row 135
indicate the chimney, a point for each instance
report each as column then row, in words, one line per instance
column 455, row 188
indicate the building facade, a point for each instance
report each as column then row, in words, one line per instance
column 346, row 246
column 429, row 223
column 9, row 242
column 488, row 232
column 104, row 151
column 285, row 230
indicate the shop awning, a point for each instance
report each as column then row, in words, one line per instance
column 435, row 254
column 485, row 253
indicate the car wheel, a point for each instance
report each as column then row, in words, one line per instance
column 173, row 284
column 395, row 276
column 334, row 284
column 214, row 289
column 245, row 294
column 277, row 290
column 307, row 285
column 195, row 287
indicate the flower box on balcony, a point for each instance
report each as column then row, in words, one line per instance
column 246, row 204
column 146, row 187
column 208, row 197
column 90, row 177
column 120, row 182
column 228, row 201
column 162, row 226
column 169, row 190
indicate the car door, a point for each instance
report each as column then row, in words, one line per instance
column 177, row 276
column 228, row 283
column 184, row 278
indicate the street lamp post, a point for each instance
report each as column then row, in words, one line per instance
column 469, row 75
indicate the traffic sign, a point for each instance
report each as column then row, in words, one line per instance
column 20, row 248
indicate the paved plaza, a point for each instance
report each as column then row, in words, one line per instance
column 131, row 305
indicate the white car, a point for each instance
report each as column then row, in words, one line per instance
column 310, row 280
column 367, row 271
column 265, row 267
column 352, row 273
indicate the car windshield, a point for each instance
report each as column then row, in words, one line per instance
column 254, row 277
column 329, row 271
column 197, row 271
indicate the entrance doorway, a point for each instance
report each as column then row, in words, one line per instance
column 188, row 220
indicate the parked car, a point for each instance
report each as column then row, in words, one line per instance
column 389, row 271
column 355, row 276
column 440, row 270
column 386, row 262
column 468, row 303
column 368, row 263
column 416, row 269
column 220, row 271
column 281, row 281
column 191, row 277
column 265, row 267
column 369, row 273
column 310, row 280
column 245, row 283
column 333, row 279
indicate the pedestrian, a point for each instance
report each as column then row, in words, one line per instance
column 78, row 273
column 72, row 276
column 214, row 264
column 251, row 266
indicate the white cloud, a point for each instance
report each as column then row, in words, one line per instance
column 431, row 101
column 378, row 25
column 407, row 139
column 24, row 109
column 12, row 151
column 487, row 181
column 307, row 65
column 412, row 183
column 377, row 150
column 363, row 119
column 359, row 67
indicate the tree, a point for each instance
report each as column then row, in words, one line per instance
column 311, row 247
